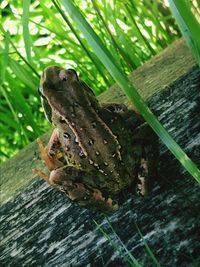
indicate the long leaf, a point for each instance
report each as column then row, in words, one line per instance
column 26, row 35
column 149, row 251
column 188, row 24
column 132, row 261
column 128, row 88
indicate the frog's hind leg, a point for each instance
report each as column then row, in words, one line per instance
column 68, row 180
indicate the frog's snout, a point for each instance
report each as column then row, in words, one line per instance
column 69, row 75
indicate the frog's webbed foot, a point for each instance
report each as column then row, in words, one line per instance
column 142, row 187
column 148, row 170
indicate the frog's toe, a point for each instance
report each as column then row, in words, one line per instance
column 141, row 187
column 109, row 204
column 112, row 204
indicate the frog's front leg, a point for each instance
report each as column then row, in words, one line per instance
column 49, row 156
column 66, row 180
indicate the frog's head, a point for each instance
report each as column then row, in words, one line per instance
column 53, row 76
column 60, row 89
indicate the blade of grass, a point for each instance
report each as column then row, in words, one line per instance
column 26, row 35
column 140, row 35
column 119, row 249
column 149, row 251
column 5, row 53
column 128, row 88
column 3, row 90
column 19, row 54
column 24, row 75
column 88, row 53
column 20, row 127
column 188, row 24
column 114, row 43
column 124, row 247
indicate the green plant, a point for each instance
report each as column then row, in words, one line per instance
column 137, row 30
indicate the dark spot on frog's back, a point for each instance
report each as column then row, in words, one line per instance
column 61, row 120
column 94, row 124
column 81, row 154
column 90, row 142
column 66, row 136
column 76, row 105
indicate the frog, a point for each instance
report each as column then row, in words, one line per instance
column 97, row 151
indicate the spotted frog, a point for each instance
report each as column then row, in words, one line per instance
column 97, row 151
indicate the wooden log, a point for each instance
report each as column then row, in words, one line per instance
column 40, row 227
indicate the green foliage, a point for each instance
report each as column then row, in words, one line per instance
column 36, row 34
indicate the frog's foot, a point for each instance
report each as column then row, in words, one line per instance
column 143, row 181
column 51, row 162
column 102, row 203
column 148, row 169
column 64, row 179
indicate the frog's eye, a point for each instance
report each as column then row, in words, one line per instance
column 73, row 72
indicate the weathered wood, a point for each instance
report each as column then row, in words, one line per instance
column 40, row 227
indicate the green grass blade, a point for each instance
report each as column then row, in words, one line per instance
column 128, row 88
column 19, row 54
column 20, row 127
column 4, row 58
column 26, row 35
column 149, row 251
column 88, row 53
column 118, row 248
column 114, row 43
column 3, row 72
column 133, row 259
column 29, row 80
column 188, row 24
